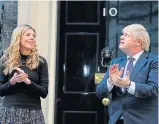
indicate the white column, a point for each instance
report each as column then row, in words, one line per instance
column 52, row 59
column 23, row 12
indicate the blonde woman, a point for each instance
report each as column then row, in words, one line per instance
column 23, row 79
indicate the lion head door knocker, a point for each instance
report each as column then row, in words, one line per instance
column 106, row 56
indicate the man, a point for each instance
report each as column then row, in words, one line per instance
column 132, row 80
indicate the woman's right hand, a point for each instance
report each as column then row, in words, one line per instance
column 18, row 77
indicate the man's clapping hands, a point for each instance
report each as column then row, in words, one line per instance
column 115, row 76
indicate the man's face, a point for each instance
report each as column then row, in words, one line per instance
column 127, row 41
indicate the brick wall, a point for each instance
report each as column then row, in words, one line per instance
column 9, row 22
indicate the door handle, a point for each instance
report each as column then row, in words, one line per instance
column 105, row 101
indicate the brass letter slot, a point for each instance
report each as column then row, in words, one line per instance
column 98, row 77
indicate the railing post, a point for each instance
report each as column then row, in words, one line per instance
column 1, row 26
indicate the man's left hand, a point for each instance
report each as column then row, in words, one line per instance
column 122, row 82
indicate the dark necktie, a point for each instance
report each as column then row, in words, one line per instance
column 129, row 68
column 130, row 65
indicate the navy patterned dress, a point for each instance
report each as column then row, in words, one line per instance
column 20, row 116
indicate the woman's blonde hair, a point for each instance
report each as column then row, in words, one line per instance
column 12, row 57
column 140, row 33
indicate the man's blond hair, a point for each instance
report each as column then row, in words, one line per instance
column 139, row 33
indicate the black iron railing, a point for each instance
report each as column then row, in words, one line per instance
column 1, row 28
column 1, row 35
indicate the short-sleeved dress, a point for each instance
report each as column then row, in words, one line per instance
column 21, row 103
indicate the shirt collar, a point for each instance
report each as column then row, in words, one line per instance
column 136, row 57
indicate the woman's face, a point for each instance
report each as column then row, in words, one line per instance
column 27, row 41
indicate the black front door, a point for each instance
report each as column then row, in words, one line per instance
column 81, row 38
column 84, row 29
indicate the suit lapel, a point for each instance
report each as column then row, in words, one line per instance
column 139, row 64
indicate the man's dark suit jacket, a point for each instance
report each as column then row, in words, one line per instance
column 142, row 107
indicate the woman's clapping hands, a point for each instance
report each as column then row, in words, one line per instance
column 20, row 76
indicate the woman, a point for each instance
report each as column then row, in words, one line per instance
column 23, row 79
